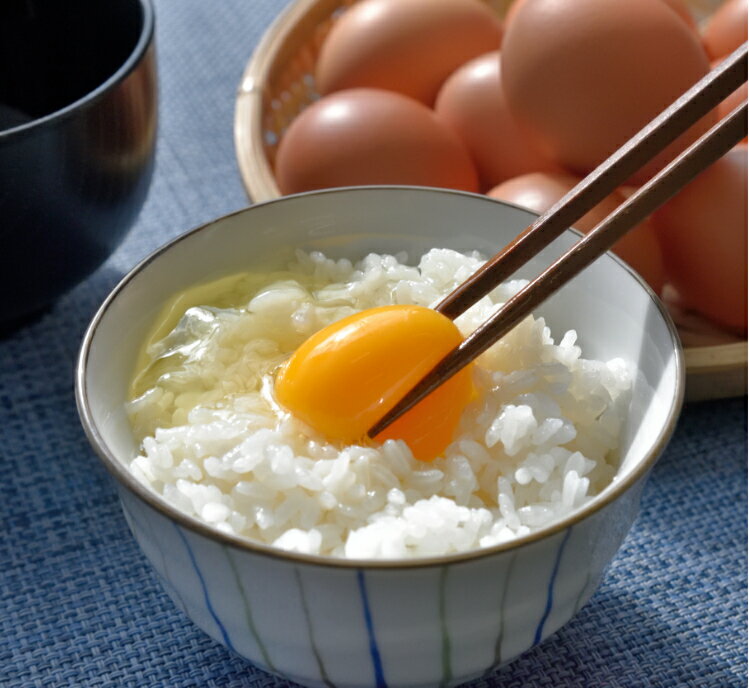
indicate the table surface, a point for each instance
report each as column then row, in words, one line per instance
column 79, row 604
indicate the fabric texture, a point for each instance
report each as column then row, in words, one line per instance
column 80, row 606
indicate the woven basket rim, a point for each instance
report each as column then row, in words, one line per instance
column 277, row 42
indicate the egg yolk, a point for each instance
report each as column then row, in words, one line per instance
column 344, row 378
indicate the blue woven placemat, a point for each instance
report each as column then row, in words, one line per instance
column 79, row 605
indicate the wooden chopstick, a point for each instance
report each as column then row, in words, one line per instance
column 612, row 173
column 706, row 150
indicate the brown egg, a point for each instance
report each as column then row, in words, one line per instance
column 585, row 76
column 512, row 11
column 678, row 6
column 682, row 9
column 538, row 192
column 727, row 29
column 370, row 136
column 703, row 233
column 408, row 46
column 472, row 103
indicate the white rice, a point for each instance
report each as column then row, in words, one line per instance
column 538, row 443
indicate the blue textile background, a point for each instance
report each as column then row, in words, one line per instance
column 79, row 605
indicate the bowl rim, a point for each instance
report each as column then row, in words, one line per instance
column 145, row 40
column 126, row 479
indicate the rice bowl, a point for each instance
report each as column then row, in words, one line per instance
column 541, row 439
column 319, row 619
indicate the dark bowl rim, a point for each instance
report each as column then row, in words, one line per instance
column 127, row 480
column 145, row 40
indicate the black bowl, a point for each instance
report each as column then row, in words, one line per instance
column 78, row 110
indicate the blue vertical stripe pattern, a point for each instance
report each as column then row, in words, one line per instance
column 550, row 593
column 501, row 631
column 248, row 611
column 206, row 597
column 313, row 644
column 373, row 649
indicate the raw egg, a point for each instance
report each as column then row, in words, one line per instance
column 727, row 29
column 472, row 103
column 370, row 136
column 583, row 77
column 703, row 231
column 408, row 46
column 538, row 192
column 345, row 377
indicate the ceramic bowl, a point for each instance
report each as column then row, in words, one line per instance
column 77, row 137
column 441, row 620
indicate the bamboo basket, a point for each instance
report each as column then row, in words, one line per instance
column 278, row 83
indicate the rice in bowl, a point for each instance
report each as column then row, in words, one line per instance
column 540, row 440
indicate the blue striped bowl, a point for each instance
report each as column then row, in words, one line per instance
column 438, row 621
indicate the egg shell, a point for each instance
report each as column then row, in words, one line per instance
column 682, row 9
column 370, row 136
column 703, row 232
column 511, row 12
column 583, row 77
column 539, row 191
column 407, row 46
column 727, row 29
column 678, row 6
column 472, row 103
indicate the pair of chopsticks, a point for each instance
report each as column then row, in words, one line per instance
column 640, row 149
